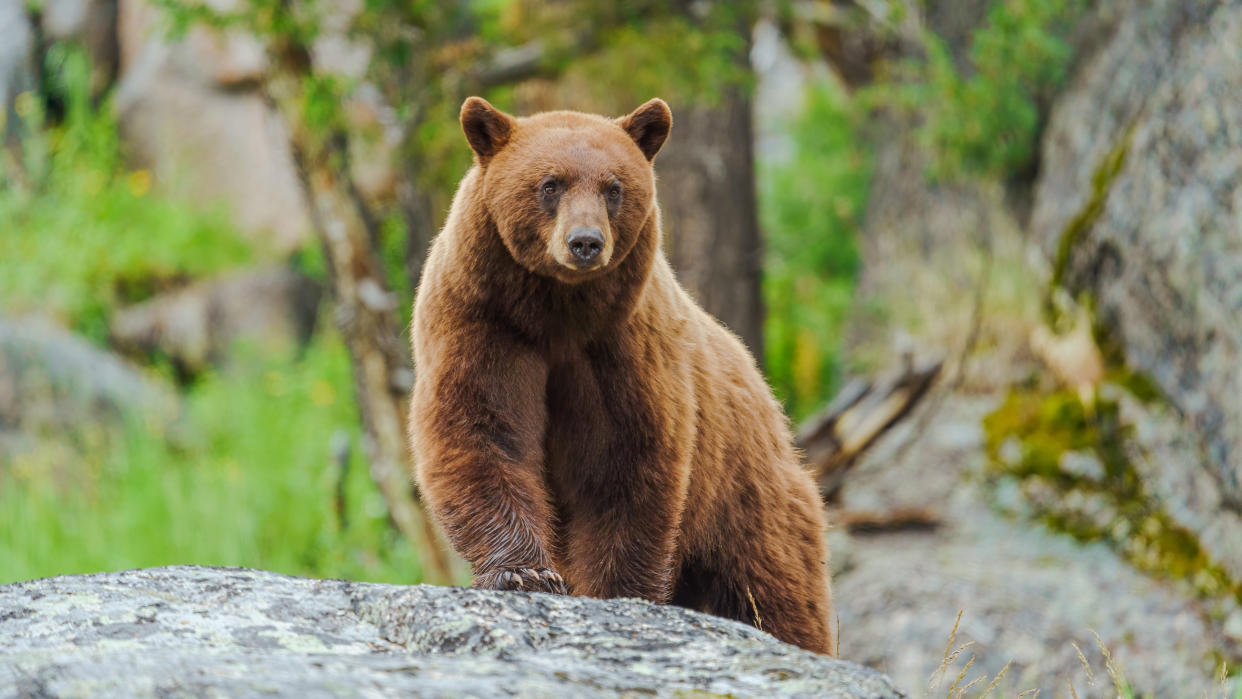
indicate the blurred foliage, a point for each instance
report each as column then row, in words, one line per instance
column 987, row 120
column 89, row 233
column 632, row 62
column 811, row 208
column 610, row 57
column 246, row 479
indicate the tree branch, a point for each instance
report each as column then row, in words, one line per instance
column 861, row 413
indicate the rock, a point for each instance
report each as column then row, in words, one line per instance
column 192, row 111
column 53, row 382
column 1138, row 206
column 196, row 325
column 17, row 66
column 188, row 111
column 1026, row 594
column 193, row 630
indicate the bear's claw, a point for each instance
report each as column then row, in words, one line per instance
column 524, row 579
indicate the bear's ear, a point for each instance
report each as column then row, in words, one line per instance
column 487, row 128
column 648, row 126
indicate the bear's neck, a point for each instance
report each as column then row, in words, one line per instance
column 548, row 312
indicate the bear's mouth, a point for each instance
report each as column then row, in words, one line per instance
column 579, row 266
column 569, row 272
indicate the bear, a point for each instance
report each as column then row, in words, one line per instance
column 578, row 423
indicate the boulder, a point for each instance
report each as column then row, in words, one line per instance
column 1139, row 207
column 189, row 112
column 195, row 326
column 53, row 382
column 1158, row 81
column 192, row 110
column 1027, row 595
column 216, row 631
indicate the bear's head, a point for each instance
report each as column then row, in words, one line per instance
column 570, row 193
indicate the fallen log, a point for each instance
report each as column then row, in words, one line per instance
column 862, row 412
column 901, row 519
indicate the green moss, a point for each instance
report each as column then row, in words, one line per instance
column 1109, row 504
column 1101, row 184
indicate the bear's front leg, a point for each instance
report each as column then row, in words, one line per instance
column 624, row 546
column 623, row 487
column 477, row 421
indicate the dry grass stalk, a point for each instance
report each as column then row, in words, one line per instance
column 958, row 693
column 933, row 681
column 954, row 693
column 996, row 680
column 755, row 609
column 1119, row 680
column 1085, row 665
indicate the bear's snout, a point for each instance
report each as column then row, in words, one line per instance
column 586, row 243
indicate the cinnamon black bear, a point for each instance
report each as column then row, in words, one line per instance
column 579, row 423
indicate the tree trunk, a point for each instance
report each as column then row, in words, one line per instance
column 365, row 306
column 420, row 226
column 707, row 194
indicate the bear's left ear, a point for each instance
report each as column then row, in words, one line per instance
column 487, row 128
column 648, row 126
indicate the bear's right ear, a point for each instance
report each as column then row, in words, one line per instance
column 487, row 129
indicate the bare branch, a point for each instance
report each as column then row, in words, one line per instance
column 833, row 440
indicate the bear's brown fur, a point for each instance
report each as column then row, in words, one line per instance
column 578, row 421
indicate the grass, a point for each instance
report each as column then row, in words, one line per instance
column 245, row 478
column 1120, row 686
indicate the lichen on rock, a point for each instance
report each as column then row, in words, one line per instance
column 193, row 630
column 1073, row 463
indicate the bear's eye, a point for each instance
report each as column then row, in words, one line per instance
column 614, row 192
column 550, row 188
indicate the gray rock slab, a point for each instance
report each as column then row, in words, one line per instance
column 195, row 631
column 1026, row 594
column 52, row 380
column 197, row 325
column 1163, row 259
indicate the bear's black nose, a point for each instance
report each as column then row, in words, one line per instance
column 585, row 243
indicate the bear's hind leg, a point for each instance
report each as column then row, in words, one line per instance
column 786, row 598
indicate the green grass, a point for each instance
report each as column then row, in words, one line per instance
column 245, row 478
